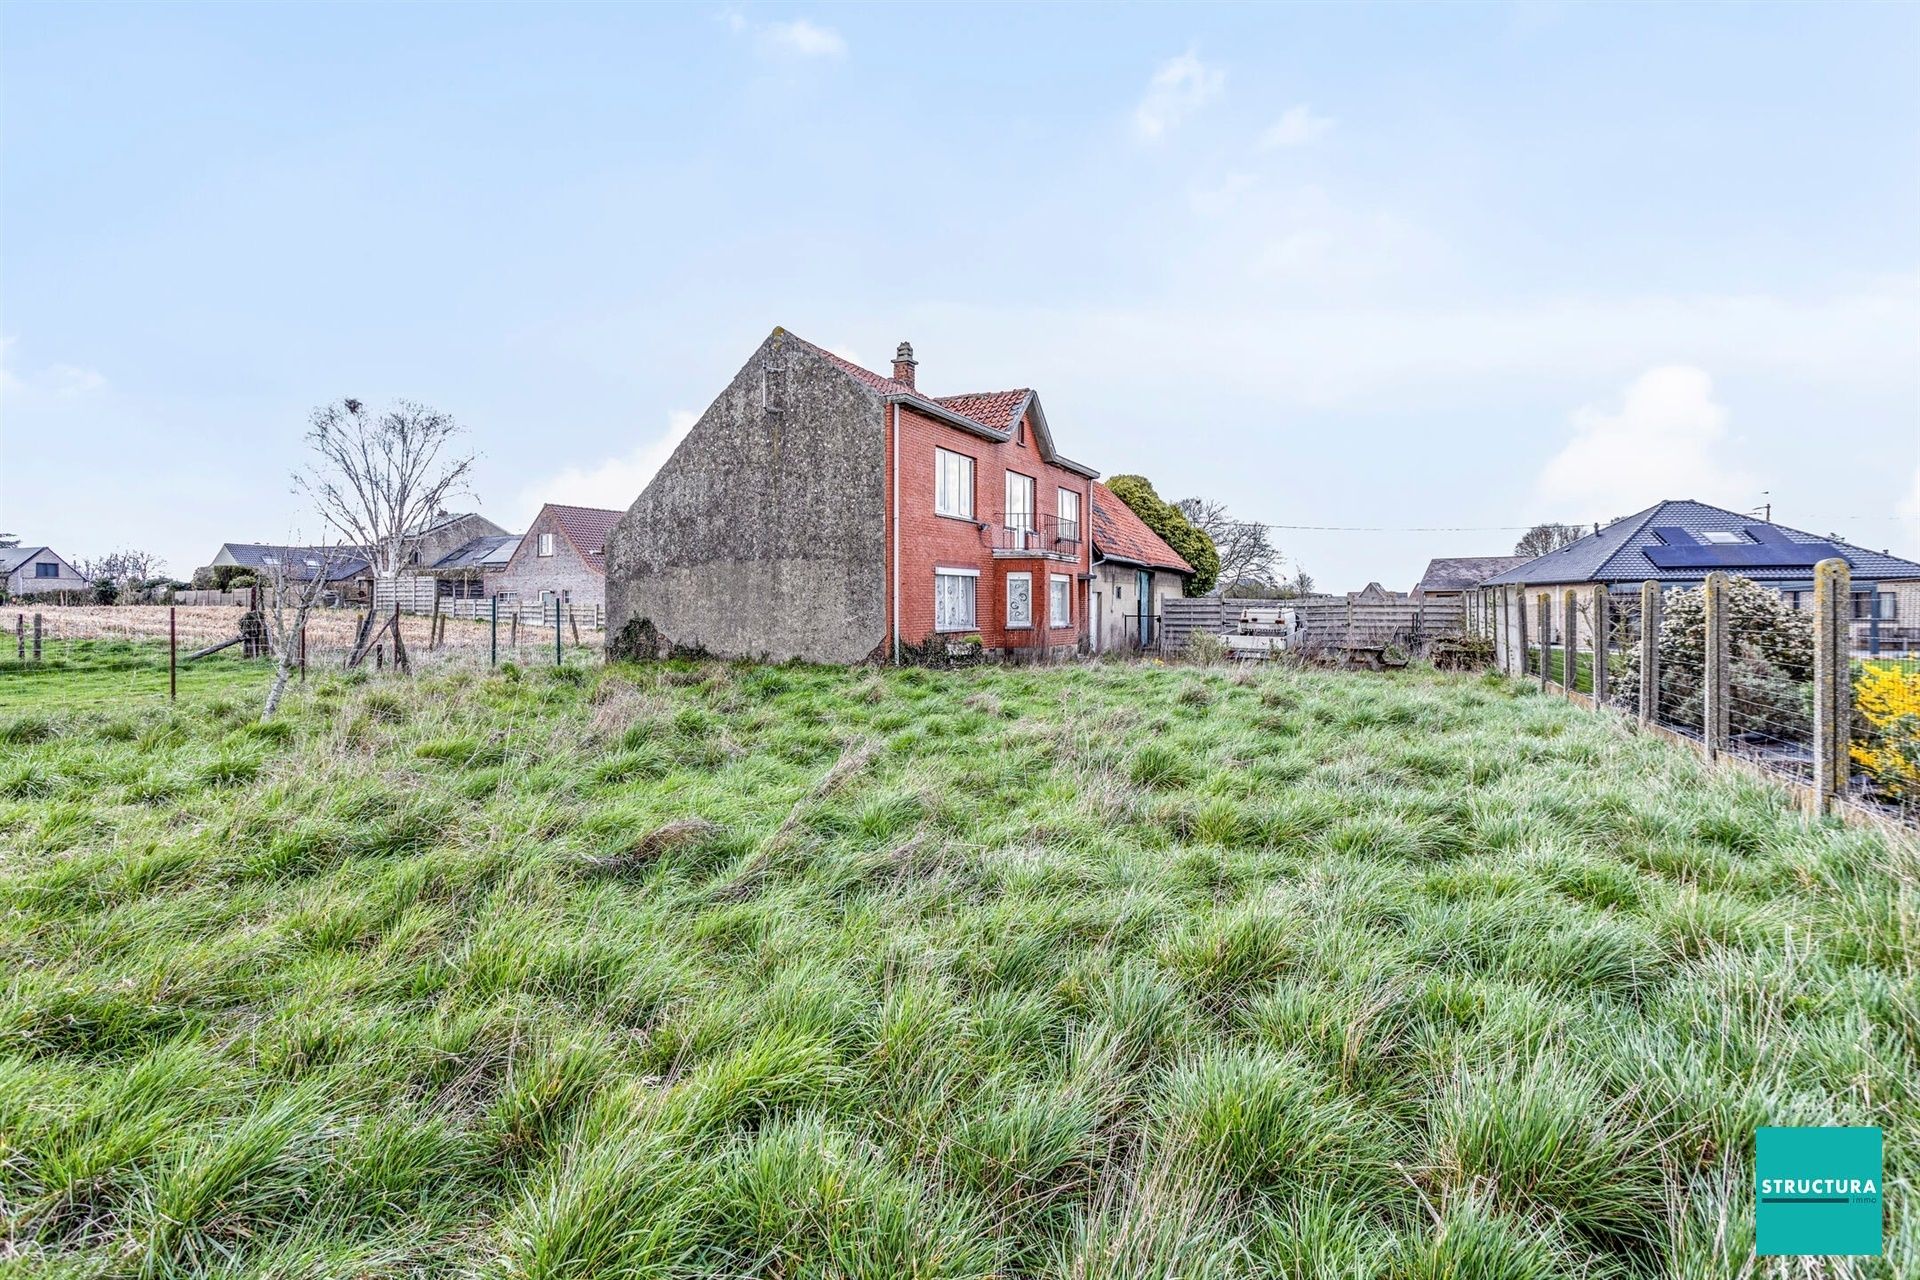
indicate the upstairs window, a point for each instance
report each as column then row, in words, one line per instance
column 1019, row 501
column 1069, row 516
column 42, row 569
column 952, row 484
column 545, row 546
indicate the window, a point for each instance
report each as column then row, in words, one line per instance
column 952, row 484
column 953, row 599
column 1864, row 610
column 1019, row 600
column 1722, row 537
column 1059, row 600
column 545, row 547
column 1019, row 501
column 1069, row 516
column 42, row 569
column 269, row 559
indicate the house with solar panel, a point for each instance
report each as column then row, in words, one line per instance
column 1677, row 543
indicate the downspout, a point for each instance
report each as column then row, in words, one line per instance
column 895, row 573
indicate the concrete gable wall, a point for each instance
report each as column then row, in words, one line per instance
column 765, row 533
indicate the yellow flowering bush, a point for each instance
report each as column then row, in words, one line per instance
column 1887, row 727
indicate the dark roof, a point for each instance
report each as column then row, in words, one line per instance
column 586, row 528
column 1119, row 534
column 12, row 558
column 1458, row 573
column 297, row 562
column 1663, row 544
column 489, row 550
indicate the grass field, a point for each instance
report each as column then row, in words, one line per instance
column 1099, row 971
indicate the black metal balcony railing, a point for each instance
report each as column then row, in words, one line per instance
column 1047, row 536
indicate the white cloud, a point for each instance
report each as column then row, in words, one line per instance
column 1296, row 127
column 613, row 482
column 1664, row 441
column 1180, row 87
column 798, row 38
column 56, row 383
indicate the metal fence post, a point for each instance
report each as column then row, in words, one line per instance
column 1545, row 606
column 493, row 636
column 20, row 635
column 557, row 658
column 173, row 654
column 1570, row 640
column 1650, row 601
column 1602, row 640
column 1714, row 668
column 1832, row 680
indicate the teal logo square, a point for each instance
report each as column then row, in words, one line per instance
column 1817, row 1191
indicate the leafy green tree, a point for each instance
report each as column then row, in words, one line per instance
column 1178, row 532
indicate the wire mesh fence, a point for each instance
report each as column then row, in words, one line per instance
column 89, row 655
column 1745, row 684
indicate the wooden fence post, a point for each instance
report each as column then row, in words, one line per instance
column 513, row 635
column 1832, row 680
column 1602, row 640
column 20, row 635
column 1650, row 602
column 1545, row 605
column 1715, row 671
column 1570, row 640
column 36, row 638
column 400, row 662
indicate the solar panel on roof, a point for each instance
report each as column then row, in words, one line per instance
column 1769, row 549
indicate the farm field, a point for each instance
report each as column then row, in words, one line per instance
column 1092, row 971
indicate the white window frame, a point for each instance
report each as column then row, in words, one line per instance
column 1069, row 498
column 972, row 621
column 1012, row 625
column 952, row 484
column 1016, row 480
column 543, row 545
column 1062, row 584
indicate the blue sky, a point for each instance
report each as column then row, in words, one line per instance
column 1339, row 266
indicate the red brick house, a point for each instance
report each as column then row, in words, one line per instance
column 562, row 556
column 822, row 511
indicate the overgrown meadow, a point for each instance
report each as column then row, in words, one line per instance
column 1096, row 971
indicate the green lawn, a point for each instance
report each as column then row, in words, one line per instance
column 1097, row 971
column 75, row 673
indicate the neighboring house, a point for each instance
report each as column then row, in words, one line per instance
column 1678, row 542
column 346, row 568
column 1455, row 576
column 1374, row 593
column 27, row 571
column 471, row 571
column 434, row 540
column 561, row 556
column 821, row 511
column 1133, row 571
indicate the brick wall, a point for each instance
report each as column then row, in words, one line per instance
column 529, row 573
column 928, row 540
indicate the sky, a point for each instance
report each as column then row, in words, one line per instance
column 1398, row 280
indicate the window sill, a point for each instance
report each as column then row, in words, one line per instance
column 956, row 631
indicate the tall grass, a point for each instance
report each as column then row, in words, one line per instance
column 1102, row 971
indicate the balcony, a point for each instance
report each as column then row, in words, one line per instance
column 1051, row 538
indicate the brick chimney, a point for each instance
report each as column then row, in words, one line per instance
column 904, row 363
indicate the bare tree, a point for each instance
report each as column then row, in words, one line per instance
column 289, row 600
column 1296, row 587
column 122, row 568
column 1247, row 555
column 1543, row 538
column 375, row 478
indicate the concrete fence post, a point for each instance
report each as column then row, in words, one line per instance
column 1545, row 605
column 36, row 637
column 20, row 635
column 1570, row 640
column 1517, row 608
column 1650, row 600
column 1715, row 669
column 1602, row 636
column 1832, row 680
